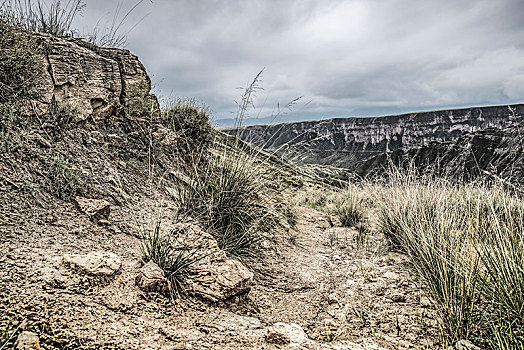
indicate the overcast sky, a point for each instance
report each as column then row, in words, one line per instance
column 353, row 57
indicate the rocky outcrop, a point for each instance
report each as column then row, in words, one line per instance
column 96, row 81
column 345, row 141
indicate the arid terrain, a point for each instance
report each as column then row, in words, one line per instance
column 126, row 223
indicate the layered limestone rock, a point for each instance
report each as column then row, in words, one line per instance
column 344, row 141
column 96, row 81
column 490, row 153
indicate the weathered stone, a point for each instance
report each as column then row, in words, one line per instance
column 27, row 341
column 214, row 276
column 94, row 263
column 97, row 81
column 221, row 278
column 96, row 209
column 283, row 333
column 152, row 278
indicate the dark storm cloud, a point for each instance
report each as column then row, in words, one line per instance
column 343, row 56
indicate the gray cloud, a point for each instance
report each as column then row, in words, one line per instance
column 343, row 56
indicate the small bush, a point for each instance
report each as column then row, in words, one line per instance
column 138, row 102
column 63, row 180
column 349, row 208
column 190, row 121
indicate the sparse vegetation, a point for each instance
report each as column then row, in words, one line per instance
column 226, row 195
column 61, row 116
column 190, row 121
column 55, row 18
column 63, row 180
column 349, row 208
column 466, row 245
column 173, row 255
column 10, row 123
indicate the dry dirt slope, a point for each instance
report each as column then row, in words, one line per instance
column 335, row 286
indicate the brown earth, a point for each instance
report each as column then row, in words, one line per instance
column 336, row 284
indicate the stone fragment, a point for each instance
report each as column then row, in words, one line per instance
column 151, row 278
column 283, row 333
column 27, row 341
column 96, row 209
column 221, row 278
column 95, row 263
column 332, row 298
column 398, row 298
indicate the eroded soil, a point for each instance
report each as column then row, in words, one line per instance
column 335, row 283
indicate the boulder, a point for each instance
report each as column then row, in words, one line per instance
column 27, row 341
column 97, row 263
column 96, row 209
column 213, row 276
column 151, row 278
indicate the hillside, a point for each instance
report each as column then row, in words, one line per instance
column 96, row 171
column 491, row 154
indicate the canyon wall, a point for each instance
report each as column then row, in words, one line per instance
column 346, row 141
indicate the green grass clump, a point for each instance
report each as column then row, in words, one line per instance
column 190, row 121
column 466, row 244
column 172, row 254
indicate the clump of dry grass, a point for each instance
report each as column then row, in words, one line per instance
column 349, row 207
column 466, row 244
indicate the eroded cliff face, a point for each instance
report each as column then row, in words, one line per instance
column 490, row 154
column 97, row 81
column 344, row 141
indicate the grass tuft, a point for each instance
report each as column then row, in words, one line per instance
column 466, row 244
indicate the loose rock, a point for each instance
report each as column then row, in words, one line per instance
column 27, row 341
column 96, row 209
column 152, row 278
column 283, row 333
column 94, row 263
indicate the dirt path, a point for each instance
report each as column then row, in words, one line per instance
column 336, row 286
